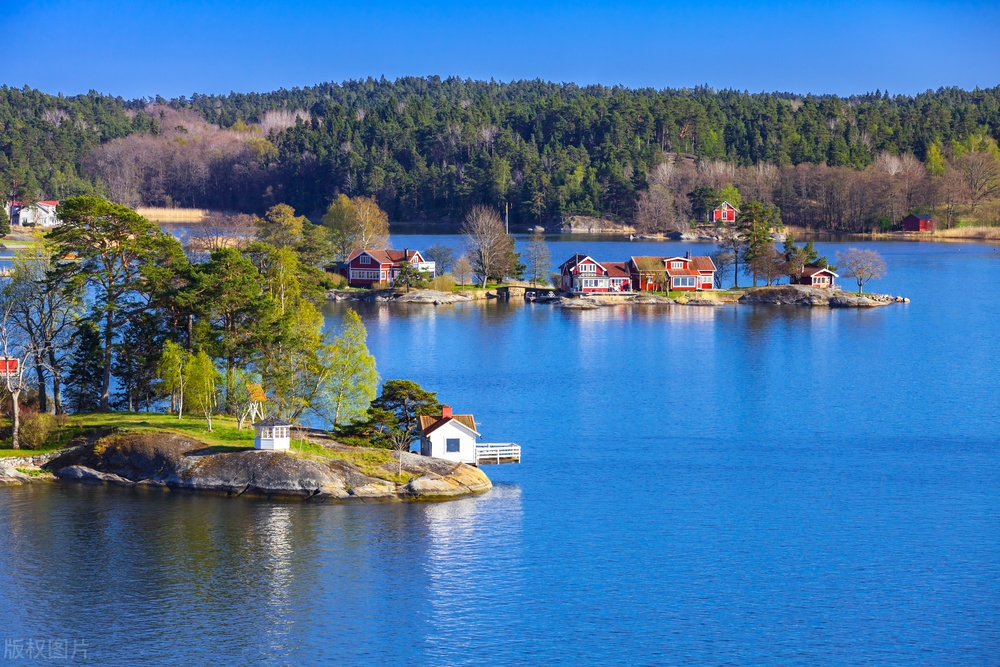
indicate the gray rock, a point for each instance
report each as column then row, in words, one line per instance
column 173, row 461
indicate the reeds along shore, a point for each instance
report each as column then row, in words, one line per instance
column 953, row 234
column 172, row 214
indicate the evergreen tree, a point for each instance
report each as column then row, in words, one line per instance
column 406, row 401
column 85, row 378
column 756, row 222
column 4, row 221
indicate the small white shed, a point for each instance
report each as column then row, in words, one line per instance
column 271, row 433
column 449, row 436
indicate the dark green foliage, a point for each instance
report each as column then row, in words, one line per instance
column 427, row 147
column 409, row 276
column 703, row 200
column 4, row 221
column 135, row 363
column 85, row 379
column 406, row 401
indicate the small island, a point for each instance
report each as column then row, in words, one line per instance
column 161, row 452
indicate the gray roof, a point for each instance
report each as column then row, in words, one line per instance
column 272, row 421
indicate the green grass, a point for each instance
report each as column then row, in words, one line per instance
column 30, row 472
column 223, row 437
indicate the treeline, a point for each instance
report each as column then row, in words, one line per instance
column 433, row 148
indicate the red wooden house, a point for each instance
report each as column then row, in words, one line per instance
column 815, row 276
column 725, row 212
column 582, row 273
column 364, row 268
column 919, row 222
column 681, row 274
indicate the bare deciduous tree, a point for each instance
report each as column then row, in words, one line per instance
column 981, row 171
column 463, row 270
column 862, row 265
column 489, row 246
column 537, row 256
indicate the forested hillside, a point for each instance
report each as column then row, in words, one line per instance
column 432, row 148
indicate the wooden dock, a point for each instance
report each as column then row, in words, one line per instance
column 495, row 453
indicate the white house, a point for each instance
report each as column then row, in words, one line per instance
column 271, row 433
column 41, row 214
column 449, row 436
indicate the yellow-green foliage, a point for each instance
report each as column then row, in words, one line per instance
column 445, row 283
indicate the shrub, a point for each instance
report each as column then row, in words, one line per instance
column 335, row 281
column 36, row 429
column 445, row 283
column 381, row 286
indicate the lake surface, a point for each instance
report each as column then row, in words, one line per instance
column 700, row 486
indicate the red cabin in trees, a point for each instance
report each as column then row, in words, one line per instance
column 364, row 268
column 725, row 212
column 919, row 223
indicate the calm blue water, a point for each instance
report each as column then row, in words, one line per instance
column 700, row 486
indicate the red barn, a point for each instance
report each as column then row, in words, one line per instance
column 919, row 222
column 364, row 268
column 725, row 212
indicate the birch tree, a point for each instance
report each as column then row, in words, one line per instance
column 16, row 351
column 862, row 265
column 202, row 378
column 352, row 380
column 538, row 256
column 173, row 363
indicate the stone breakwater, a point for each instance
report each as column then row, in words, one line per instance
column 165, row 460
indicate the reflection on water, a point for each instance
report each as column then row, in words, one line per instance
column 742, row 485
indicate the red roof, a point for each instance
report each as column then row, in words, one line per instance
column 703, row 263
column 430, row 424
column 47, row 202
column 616, row 269
column 813, row 270
column 386, row 255
column 578, row 259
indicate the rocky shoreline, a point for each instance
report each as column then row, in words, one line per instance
column 169, row 461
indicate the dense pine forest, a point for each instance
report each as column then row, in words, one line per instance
column 433, row 148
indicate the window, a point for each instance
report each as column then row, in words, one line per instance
column 365, row 259
column 676, row 265
column 684, row 281
column 452, row 445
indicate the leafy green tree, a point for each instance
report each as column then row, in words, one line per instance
column 731, row 195
column 4, row 221
column 280, row 226
column 352, row 380
column 201, row 379
column 340, row 220
column 171, row 370
column 407, row 401
column 116, row 254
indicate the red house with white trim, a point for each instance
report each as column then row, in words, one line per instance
column 364, row 268
column 815, row 276
column 725, row 212
column 583, row 274
column 679, row 274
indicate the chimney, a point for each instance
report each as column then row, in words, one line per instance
column 406, row 254
column 445, row 411
column 688, row 254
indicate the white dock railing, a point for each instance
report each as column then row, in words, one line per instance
column 497, row 452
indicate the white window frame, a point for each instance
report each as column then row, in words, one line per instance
column 364, row 259
column 676, row 265
column 448, row 445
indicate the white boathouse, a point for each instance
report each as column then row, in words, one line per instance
column 453, row 438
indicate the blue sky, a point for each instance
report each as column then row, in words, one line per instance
column 176, row 48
